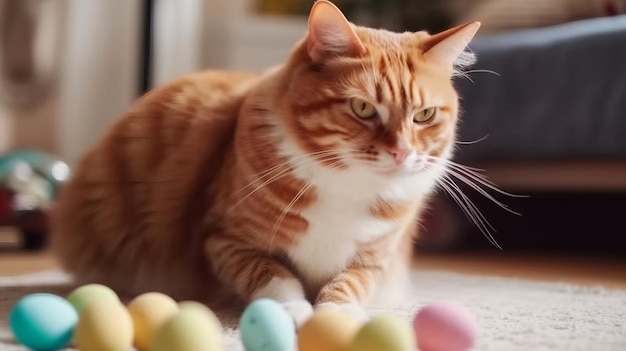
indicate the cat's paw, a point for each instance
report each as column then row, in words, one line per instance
column 354, row 309
column 300, row 310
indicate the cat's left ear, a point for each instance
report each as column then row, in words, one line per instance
column 330, row 33
column 444, row 48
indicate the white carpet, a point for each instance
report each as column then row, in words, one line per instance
column 513, row 314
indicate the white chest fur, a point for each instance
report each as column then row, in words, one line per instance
column 340, row 219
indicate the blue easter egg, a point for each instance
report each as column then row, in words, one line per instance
column 43, row 322
column 265, row 325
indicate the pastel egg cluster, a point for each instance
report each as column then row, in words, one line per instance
column 266, row 326
column 92, row 318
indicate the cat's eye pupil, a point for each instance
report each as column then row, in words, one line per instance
column 425, row 115
column 363, row 109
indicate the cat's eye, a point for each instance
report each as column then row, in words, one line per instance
column 363, row 109
column 425, row 115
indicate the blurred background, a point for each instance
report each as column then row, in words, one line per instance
column 544, row 110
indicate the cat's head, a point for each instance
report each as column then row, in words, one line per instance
column 382, row 100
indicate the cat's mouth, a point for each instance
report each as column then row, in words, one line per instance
column 404, row 169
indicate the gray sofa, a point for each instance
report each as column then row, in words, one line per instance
column 555, row 113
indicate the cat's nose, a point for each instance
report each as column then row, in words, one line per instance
column 399, row 153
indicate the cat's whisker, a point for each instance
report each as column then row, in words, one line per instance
column 466, row 74
column 285, row 172
column 440, row 159
column 482, row 71
column 288, row 162
column 475, row 171
column 475, row 181
column 295, row 199
column 456, row 199
column 259, row 176
column 472, row 212
column 472, row 173
column 482, row 180
column 480, row 190
column 471, row 142
column 446, row 187
column 278, row 176
column 296, row 158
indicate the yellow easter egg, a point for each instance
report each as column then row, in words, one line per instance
column 328, row 330
column 148, row 311
column 384, row 333
column 104, row 326
column 197, row 306
column 193, row 328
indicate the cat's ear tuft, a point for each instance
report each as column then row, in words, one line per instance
column 330, row 33
column 443, row 49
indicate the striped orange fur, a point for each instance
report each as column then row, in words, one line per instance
column 242, row 185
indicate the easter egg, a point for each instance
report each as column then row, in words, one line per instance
column 384, row 333
column 104, row 325
column 329, row 330
column 197, row 306
column 445, row 327
column 193, row 328
column 148, row 311
column 86, row 294
column 43, row 322
column 265, row 325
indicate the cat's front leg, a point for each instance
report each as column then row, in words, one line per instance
column 348, row 290
column 253, row 275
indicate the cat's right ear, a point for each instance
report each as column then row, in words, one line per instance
column 444, row 48
column 330, row 33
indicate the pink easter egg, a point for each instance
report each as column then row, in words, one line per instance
column 445, row 326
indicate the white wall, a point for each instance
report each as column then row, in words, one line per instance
column 251, row 43
column 101, row 70
column 191, row 35
column 178, row 38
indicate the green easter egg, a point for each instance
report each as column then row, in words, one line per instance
column 384, row 333
column 86, row 294
column 193, row 328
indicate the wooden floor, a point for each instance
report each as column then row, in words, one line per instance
column 603, row 271
column 609, row 272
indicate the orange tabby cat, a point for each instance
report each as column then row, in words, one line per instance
column 303, row 184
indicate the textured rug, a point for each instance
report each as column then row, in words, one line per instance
column 513, row 314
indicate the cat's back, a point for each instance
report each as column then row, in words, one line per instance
column 143, row 185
